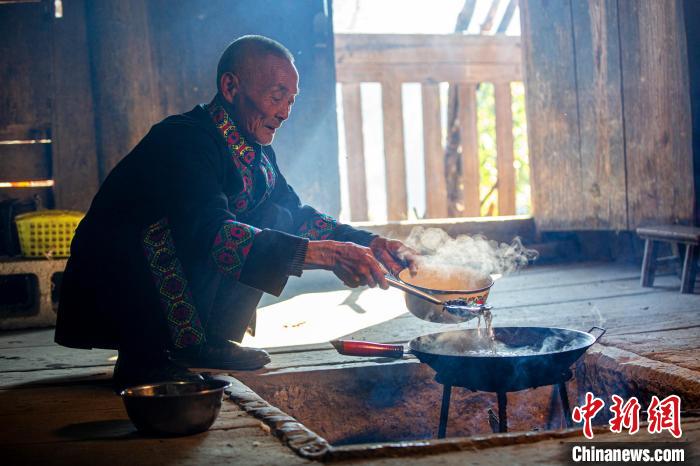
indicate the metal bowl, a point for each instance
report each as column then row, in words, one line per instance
column 447, row 283
column 174, row 408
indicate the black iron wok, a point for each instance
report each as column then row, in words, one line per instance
column 524, row 357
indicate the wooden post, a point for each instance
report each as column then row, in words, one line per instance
column 504, row 149
column 126, row 98
column 355, row 150
column 470, row 149
column 394, row 151
column 74, row 148
column 435, row 186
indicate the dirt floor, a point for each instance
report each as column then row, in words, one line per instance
column 57, row 406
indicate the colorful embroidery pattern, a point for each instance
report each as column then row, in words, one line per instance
column 169, row 278
column 232, row 245
column 319, row 226
column 244, row 158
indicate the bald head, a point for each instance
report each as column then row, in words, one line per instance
column 241, row 56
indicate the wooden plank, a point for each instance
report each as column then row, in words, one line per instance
column 434, row 72
column 26, row 338
column 24, row 162
column 504, row 149
column 418, row 49
column 54, row 414
column 433, row 154
column 502, row 229
column 507, row 17
column 487, row 23
column 656, row 112
column 20, row 359
column 44, row 195
column 74, row 148
column 25, row 68
column 469, row 135
column 250, row 446
column 465, row 15
column 600, row 114
column 57, row 400
column 55, row 377
column 355, row 150
column 395, row 161
column 552, row 114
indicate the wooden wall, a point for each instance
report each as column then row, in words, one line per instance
column 118, row 67
column 608, row 113
column 25, row 99
column 691, row 13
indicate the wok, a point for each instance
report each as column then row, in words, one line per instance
column 522, row 357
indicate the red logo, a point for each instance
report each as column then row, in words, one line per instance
column 665, row 415
column 587, row 412
column 625, row 415
column 662, row 414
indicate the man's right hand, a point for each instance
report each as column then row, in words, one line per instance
column 355, row 265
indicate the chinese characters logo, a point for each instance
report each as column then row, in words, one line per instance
column 661, row 414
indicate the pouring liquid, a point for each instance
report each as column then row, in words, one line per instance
column 463, row 308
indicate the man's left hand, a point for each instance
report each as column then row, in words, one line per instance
column 394, row 255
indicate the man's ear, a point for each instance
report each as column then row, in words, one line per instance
column 229, row 86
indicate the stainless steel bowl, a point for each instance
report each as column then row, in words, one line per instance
column 174, row 408
column 446, row 284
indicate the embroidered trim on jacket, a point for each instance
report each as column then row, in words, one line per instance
column 169, row 277
column 319, row 226
column 243, row 157
column 232, row 245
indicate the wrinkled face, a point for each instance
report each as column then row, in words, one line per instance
column 263, row 97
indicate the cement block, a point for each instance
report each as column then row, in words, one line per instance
column 45, row 315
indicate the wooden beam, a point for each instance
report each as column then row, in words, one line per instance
column 25, row 68
column 433, row 154
column 552, row 114
column 421, row 48
column 395, row 162
column 24, row 162
column 428, row 72
column 507, row 17
column 598, row 84
column 469, row 135
column 465, row 15
column 74, row 148
column 43, row 195
column 487, row 23
column 126, row 102
column 656, row 112
column 504, row 149
column 354, row 147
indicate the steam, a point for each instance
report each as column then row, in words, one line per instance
column 598, row 315
column 473, row 344
column 477, row 253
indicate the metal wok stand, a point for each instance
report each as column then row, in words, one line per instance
column 500, row 424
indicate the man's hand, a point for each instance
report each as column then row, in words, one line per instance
column 394, row 255
column 355, row 265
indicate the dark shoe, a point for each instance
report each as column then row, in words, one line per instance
column 226, row 357
column 130, row 371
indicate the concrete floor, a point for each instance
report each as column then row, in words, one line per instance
column 57, row 407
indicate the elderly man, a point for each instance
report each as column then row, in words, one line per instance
column 194, row 224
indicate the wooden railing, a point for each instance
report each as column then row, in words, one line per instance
column 393, row 59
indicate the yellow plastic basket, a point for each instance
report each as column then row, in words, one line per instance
column 47, row 233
